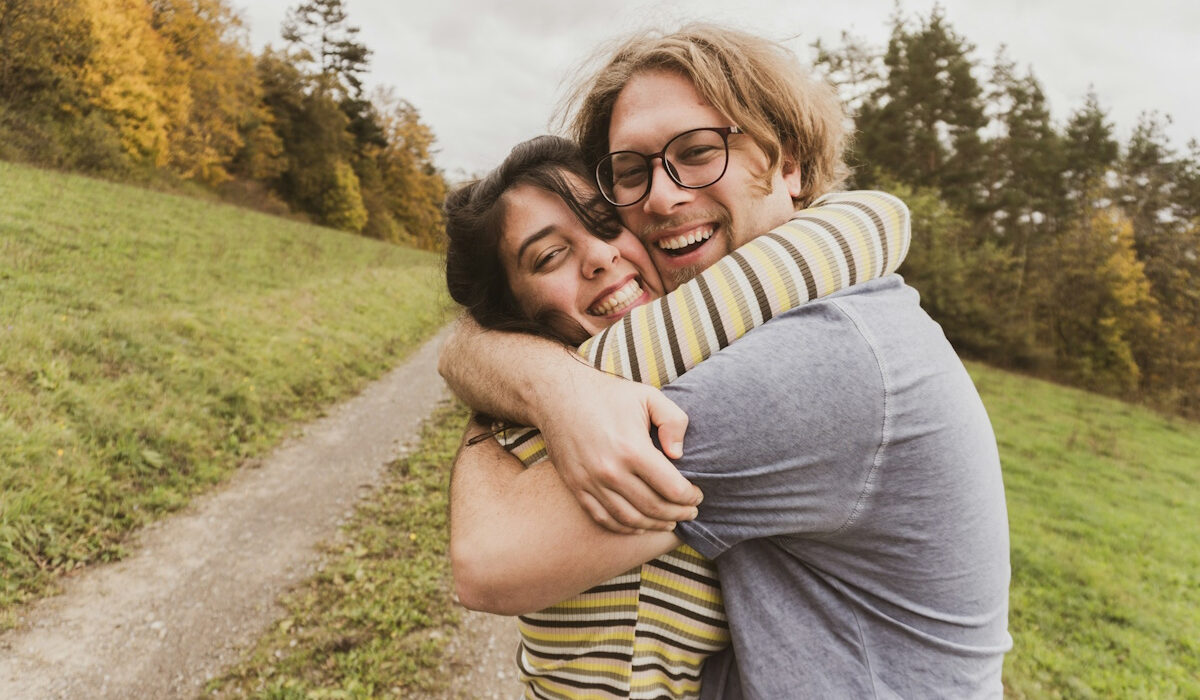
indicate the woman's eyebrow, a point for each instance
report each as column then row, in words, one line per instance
column 534, row 239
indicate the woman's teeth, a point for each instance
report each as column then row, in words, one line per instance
column 618, row 300
column 686, row 239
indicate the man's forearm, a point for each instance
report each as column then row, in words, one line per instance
column 519, row 542
column 506, row 375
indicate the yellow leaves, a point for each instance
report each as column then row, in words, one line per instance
column 342, row 205
column 1106, row 311
column 127, row 76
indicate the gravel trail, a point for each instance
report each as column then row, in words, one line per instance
column 201, row 585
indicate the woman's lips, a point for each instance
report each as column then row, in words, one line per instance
column 619, row 300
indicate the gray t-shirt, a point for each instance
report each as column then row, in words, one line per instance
column 853, row 504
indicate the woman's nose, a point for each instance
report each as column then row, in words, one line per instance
column 601, row 256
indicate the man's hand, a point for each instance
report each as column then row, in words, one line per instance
column 598, row 434
column 518, row 540
column 597, row 427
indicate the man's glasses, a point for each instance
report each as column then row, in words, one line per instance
column 693, row 159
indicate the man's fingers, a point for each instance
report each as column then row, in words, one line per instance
column 624, row 513
column 601, row 515
column 643, row 498
column 671, row 421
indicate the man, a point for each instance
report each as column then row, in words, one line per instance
column 852, row 494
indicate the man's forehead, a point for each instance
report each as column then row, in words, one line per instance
column 656, row 105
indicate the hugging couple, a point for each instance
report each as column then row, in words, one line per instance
column 833, row 523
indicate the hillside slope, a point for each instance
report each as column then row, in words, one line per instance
column 151, row 343
column 1103, row 504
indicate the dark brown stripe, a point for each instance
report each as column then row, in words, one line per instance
column 672, row 341
column 663, row 564
column 512, row 446
column 673, row 642
column 810, row 283
column 600, row 347
column 764, row 305
column 649, row 598
column 880, row 231
column 631, row 350
column 713, row 313
column 841, row 241
column 693, row 675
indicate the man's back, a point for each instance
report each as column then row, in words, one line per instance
column 853, row 503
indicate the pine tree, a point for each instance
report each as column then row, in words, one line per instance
column 922, row 124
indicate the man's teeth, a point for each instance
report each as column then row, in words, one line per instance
column 618, row 300
column 685, row 240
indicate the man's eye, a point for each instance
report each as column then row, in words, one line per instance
column 630, row 176
column 696, row 154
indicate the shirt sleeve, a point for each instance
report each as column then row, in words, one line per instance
column 785, row 429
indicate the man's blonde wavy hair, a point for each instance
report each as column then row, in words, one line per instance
column 756, row 83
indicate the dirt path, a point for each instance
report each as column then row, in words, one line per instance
column 202, row 584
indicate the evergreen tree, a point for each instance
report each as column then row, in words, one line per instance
column 1090, row 150
column 923, row 123
column 1022, row 197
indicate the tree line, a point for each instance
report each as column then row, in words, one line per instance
column 1052, row 248
column 168, row 90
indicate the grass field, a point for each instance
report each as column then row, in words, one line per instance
column 151, row 343
column 1104, row 510
column 1105, row 551
column 1105, row 599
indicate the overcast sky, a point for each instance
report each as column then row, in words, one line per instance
column 486, row 74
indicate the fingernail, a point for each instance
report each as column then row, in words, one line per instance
column 677, row 449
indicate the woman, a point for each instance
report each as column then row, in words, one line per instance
column 533, row 247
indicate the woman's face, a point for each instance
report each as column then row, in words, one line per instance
column 554, row 263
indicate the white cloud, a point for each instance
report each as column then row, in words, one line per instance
column 485, row 75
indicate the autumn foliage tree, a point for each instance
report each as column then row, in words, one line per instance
column 168, row 90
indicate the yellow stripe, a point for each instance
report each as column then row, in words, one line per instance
column 673, row 583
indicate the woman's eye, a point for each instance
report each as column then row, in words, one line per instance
column 546, row 258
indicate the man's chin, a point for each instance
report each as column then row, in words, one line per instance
column 676, row 271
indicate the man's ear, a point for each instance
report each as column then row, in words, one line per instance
column 791, row 178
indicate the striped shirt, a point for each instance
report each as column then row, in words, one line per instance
column 647, row 632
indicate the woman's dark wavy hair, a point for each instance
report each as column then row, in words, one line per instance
column 475, row 214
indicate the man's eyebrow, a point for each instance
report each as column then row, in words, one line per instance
column 534, row 239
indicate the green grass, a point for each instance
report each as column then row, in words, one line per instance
column 1104, row 512
column 151, row 343
column 1105, row 599
column 375, row 620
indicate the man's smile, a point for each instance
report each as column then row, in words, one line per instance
column 686, row 242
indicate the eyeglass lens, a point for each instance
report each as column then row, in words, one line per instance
column 693, row 159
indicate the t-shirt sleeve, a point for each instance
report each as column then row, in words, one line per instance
column 785, row 429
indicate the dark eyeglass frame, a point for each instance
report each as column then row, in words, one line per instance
column 669, row 167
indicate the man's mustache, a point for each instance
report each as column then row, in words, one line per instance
column 720, row 216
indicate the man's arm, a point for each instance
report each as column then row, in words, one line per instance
column 519, row 542
column 605, row 454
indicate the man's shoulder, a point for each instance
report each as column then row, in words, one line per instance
column 849, row 344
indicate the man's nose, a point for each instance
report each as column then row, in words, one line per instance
column 664, row 194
